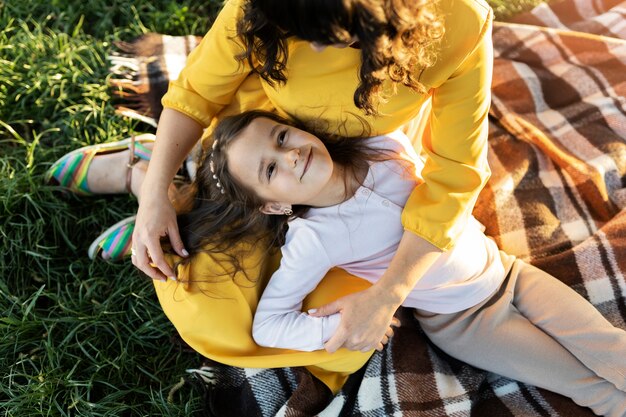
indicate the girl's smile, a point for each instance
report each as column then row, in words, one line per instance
column 309, row 157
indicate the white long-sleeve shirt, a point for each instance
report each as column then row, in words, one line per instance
column 361, row 235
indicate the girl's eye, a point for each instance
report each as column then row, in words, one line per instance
column 270, row 170
column 281, row 137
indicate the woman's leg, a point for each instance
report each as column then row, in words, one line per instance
column 107, row 173
column 497, row 337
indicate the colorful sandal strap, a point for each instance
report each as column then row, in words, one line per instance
column 71, row 172
column 142, row 152
column 115, row 243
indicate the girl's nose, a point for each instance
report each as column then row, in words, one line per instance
column 292, row 157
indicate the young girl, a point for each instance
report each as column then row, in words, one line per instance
column 329, row 209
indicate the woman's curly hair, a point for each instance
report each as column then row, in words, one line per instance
column 398, row 39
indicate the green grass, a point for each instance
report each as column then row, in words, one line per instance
column 79, row 338
column 504, row 9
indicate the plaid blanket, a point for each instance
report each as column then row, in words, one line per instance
column 556, row 198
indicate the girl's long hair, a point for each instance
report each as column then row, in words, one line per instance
column 225, row 218
column 398, row 39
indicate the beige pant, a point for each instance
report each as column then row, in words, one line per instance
column 537, row 330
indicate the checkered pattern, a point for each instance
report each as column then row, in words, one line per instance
column 556, row 199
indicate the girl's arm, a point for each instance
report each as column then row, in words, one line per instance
column 456, row 170
column 176, row 135
column 279, row 321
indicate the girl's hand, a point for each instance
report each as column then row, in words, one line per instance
column 156, row 218
column 366, row 318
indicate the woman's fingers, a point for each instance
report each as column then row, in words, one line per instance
column 363, row 323
column 366, row 348
column 158, row 260
column 176, row 241
column 148, row 254
column 389, row 332
column 325, row 310
column 149, row 228
column 141, row 260
column 383, row 342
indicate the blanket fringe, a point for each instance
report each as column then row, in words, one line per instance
column 205, row 373
column 131, row 114
column 125, row 84
column 139, row 79
column 149, row 44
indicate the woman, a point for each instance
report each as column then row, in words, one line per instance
column 391, row 61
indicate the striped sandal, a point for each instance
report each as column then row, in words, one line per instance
column 70, row 171
column 115, row 243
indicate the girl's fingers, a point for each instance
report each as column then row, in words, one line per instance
column 336, row 341
column 395, row 322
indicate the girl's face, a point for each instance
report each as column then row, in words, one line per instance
column 283, row 165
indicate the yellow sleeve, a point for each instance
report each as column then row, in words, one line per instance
column 455, row 143
column 211, row 75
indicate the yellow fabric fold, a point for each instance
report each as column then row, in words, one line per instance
column 213, row 313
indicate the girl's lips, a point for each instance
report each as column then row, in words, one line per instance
column 308, row 162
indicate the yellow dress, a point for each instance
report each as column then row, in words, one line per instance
column 214, row 315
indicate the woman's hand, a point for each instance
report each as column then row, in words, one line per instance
column 176, row 135
column 367, row 315
column 156, row 218
column 366, row 320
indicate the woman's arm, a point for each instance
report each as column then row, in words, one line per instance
column 456, row 167
column 455, row 171
column 176, row 135
column 208, row 83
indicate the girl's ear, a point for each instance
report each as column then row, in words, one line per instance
column 275, row 208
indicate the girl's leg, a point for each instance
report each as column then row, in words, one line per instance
column 571, row 320
column 496, row 336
